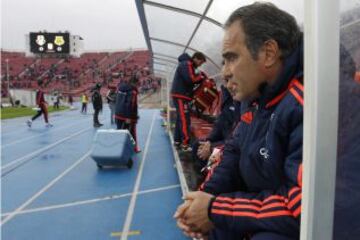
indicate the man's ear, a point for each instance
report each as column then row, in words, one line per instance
column 270, row 53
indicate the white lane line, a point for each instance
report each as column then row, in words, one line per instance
column 19, row 126
column 65, row 116
column 44, row 189
column 47, row 132
column 131, row 208
column 95, row 200
column 31, row 155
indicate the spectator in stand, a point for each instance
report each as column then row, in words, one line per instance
column 42, row 106
column 97, row 104
column 84, row 102
column 111, row 98
column 57, row 101
column 186, row 76
column 71, row 100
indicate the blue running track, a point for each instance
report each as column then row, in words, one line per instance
column 52, row 189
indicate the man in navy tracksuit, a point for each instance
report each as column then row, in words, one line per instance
column 223, row 126
column 186, row 76
column 126, row 107
column 255, row 190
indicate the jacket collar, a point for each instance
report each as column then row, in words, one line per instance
column 292, row 68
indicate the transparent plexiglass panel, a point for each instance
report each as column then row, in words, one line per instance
column 221, row 9
column 170, row 25
column 210, row 69
column 165, row 60
column 165, row 57
column 160, row 67
column 347, row 195
column 167, row 49
column 162, row 61
column 157, row 63
column 160, row 74
column 197, row 6
column 208, row 39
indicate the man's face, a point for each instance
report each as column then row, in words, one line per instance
column 198, row 62
column 243, row 73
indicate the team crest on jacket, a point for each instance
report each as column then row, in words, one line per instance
column 272, row 116
column 264, row 152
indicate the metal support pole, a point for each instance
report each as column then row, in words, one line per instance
column 168, row 100
column 320, row 118
column 7, row 75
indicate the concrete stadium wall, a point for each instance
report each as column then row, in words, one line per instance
column 27, row 97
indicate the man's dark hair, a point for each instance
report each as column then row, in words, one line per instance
column 40, row 82
column 264, row 21
column 199, row 55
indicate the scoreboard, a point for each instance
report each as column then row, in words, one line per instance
column 47, row 43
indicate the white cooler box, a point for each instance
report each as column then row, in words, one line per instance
column 113, row 148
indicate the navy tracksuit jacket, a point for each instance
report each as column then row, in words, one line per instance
column 225, row 121
column 186, row 76
column 223, row 126
column 257, row 183
column 126, row 109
